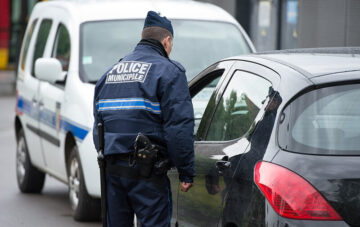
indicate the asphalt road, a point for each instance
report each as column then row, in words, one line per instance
column 51, row 208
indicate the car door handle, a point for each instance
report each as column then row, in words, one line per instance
column 34, row 101
column 221, row 166
column 41, row 103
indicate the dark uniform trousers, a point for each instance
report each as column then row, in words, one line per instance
column 149, row 198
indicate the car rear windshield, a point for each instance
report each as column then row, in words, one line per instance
column 325, row 121
column 197, row 44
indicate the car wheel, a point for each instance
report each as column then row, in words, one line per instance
column 29, row 178
column 85, row 207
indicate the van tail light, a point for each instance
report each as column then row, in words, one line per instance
column 290, row 195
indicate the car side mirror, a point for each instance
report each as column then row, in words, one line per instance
column 49, row 69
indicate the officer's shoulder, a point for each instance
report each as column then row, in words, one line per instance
column 99, row 84
column 177, row 65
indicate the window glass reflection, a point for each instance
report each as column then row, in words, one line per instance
column 238, row 107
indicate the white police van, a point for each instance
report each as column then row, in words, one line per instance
column 67, row 46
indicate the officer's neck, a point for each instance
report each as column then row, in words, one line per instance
column 155, row 43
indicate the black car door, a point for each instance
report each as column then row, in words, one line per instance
column 202, row 88
column 221, row 138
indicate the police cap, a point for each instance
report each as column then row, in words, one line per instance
column 153, row 19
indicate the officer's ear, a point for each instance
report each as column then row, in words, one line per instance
column 167, row 43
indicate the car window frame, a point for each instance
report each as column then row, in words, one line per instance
column 256, row 68
column 202, row 80
column 54, row 44
column 60, row 84
column 234, row 74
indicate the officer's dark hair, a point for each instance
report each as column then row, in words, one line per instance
column 157, row 33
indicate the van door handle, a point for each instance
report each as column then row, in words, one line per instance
column 41, row 103
column 34, row 101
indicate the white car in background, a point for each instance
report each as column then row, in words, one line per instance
column 67, row 46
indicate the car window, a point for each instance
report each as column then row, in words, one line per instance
column 201, row 99
column 324, row 121
column 238, row 107
column 62, row 47
column 26, row 44
column 40, row 44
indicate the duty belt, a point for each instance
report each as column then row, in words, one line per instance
column 119, row 157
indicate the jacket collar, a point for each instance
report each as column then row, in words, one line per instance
column 155, row 45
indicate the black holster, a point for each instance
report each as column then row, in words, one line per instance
column 150, row 157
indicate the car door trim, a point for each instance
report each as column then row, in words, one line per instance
column 44, row 135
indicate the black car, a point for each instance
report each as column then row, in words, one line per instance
column 278, row 143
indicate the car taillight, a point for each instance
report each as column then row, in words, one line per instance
column 290, row 195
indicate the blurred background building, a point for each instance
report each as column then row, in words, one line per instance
column 284, row 24
column 271, row 24
column 14, row 15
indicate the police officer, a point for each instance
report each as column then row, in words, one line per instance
column 145, row 92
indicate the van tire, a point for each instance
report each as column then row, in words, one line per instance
column 29, row 178
column 84, row 207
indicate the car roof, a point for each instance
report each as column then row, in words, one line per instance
column 314, row 62
column 137, row 9
column 318, row 61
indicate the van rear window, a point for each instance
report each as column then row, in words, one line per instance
column 324, row 121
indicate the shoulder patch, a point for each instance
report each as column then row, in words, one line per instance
column 178, row 65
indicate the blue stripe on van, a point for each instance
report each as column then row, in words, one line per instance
column 50, row 118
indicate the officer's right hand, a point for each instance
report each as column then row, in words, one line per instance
column 185, row 186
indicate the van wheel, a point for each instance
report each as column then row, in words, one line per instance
column 84, row 207
column 29, row 178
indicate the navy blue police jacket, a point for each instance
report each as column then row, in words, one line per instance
column 147, row 92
